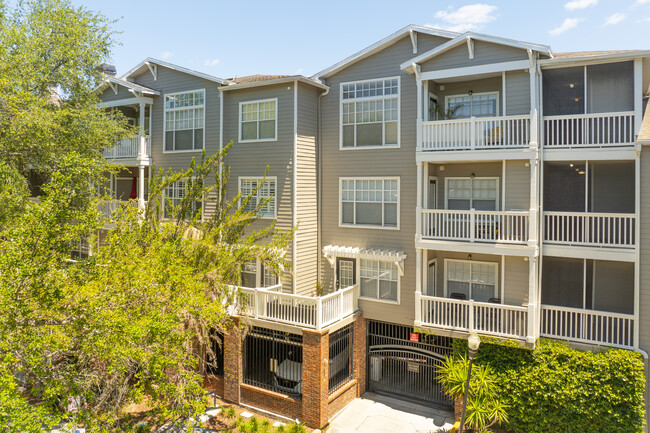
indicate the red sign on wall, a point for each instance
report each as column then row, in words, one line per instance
column 415, row 338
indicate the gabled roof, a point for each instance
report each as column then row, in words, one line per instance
column 255, row 78
column 267, row 80
column 144, row 65
column 380, row 45
column 124, row 83
column 467, row 38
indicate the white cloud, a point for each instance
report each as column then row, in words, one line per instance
column 614, row 19
column 211, row 62
column 465, row 18
column 568, row 23
column 167, row 55
column 642, row 2
column 581, row 4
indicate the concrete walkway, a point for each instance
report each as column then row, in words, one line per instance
column 373, row 413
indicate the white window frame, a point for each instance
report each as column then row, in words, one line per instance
column 496, row 276
column 239, row 124
column 369, row 226
column 385, row 301
column 426, row 277
column 274, row 198
column 260, row 268
column 448, row 97
column 471, row 199
column 370, row 98
column 165, row 110
column 164, row 199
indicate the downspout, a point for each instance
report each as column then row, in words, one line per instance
column 221, row 96
column 319, row 181
column 646, row 371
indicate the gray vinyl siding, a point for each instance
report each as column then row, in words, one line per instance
column 517, row 93
column 306, row 193
column 463, row 87
column 644, row 262
column 377, row 163
column 516, row 281
column 252, row 159
column 109, row 95
column 484, row 53
column 517, row 185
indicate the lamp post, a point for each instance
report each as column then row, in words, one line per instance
column 473, row 342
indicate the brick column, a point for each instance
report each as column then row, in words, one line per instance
column 359, row 361
column 232, row 363
column 315, row 375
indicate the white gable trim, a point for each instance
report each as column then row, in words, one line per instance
column 112, row 82
column 149, row 61
column 469, row 38
column 380, row 45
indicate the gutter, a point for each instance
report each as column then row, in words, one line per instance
column 291, row 79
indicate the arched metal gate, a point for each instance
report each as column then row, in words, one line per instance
column 406, row 369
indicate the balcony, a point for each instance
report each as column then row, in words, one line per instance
column 589, row 130
column 482, row 133
column 510, row 227
column 590, row 229
column 588, row 326
column 468, row 316
column 133, row 147
column 107, row 207
column 268, row 303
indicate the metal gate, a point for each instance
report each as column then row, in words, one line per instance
column 404, row 368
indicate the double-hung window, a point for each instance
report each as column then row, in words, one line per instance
column 370, row 113
column 172, row 196
column 370, row 202
column 474, row 105
column 474, row 280
column 258, row 120
column 480, row 193
column 259, row 189
column 379, row 280
column 184, row 121
column 256, row 274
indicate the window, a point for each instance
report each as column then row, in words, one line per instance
column 172, row 196
column 474, row 105
column 473, row 280
column 370, row 113
column 258, row 120
column 379, row 280
column 370, row 202
column 480, row 193
column 346, row 272
column 184, row 120
column 269, row 279
column 249, row 274
column 259, row 192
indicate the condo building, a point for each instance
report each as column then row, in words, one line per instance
column 442, row 184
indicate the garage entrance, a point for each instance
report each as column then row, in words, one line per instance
column 404, row 364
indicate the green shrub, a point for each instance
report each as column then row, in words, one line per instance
column 558, row 389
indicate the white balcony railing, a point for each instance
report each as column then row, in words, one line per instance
column 268, row 303
column 135, row 146
column 498, row 320
column 475, row 226
column 589, row 229
column 107, row 207
column 476, row 133
column 589, row 130
column 588, row 326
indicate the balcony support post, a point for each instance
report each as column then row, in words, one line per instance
column 472, row 222
column 418, row 271
column 638, row 96
column 419, row 193
column 141, row 187
column 420, row 109
column 637, row 247
column 472, row 132
column 532, row 325
column 418, row 308
column 534, row 139
column 534, row 206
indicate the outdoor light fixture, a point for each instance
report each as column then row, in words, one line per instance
column 473, row 342
column 470, row 93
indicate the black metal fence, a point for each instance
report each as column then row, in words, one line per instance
column 341, row 352
column 214, row 363
column 273, row 361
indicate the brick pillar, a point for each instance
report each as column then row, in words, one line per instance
column 315, row 375
column 232, row 362
column 359, row 361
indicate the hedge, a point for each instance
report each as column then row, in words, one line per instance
column 555, row 388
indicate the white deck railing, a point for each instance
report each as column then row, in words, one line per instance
column 476, row 133
column 470, row 316
column 107, row 207
column 475, row 226
column 268, row 303
column 590, row 229
column 588, row 326
column 589, row 130
column 135, row 146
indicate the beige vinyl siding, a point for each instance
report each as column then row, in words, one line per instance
column 517, row 184
column 484, row 53
column 251, row 159
column 517, row 93
column 307, row 253
column 644, row 262
column 377, row 163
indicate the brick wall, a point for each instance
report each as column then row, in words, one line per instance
column 271, row 401
column 360, row 353
column 315, row 377
column 341, row 398
column 213, row 383
column 232, row 363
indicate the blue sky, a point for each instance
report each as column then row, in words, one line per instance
column 298, row 37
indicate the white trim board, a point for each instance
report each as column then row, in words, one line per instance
column 490, row 68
